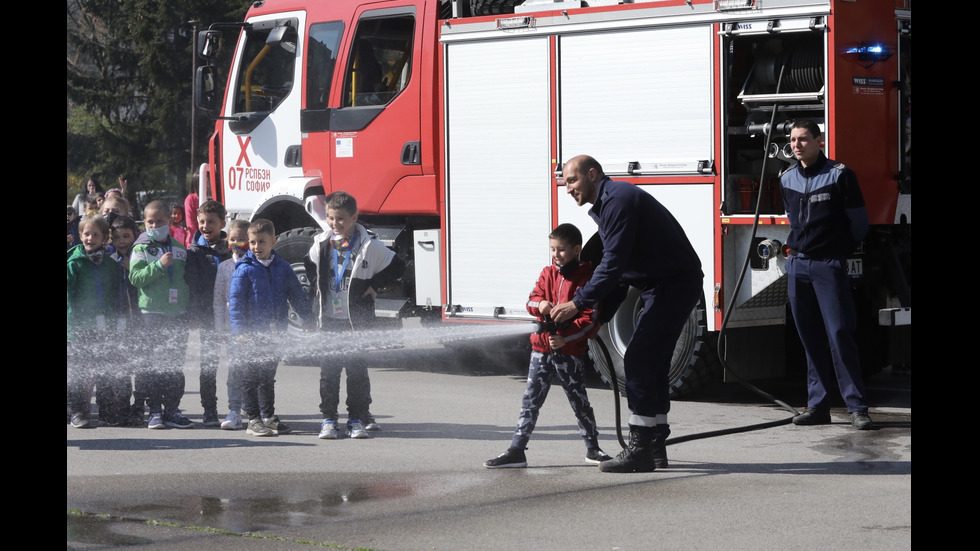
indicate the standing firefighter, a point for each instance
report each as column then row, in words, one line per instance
column 827, row 221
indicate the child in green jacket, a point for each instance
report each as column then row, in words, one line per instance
column 95, row 284
column 156, row 269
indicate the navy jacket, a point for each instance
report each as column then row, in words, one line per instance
column 202, row 270
column 826, row 212
column 643, row 245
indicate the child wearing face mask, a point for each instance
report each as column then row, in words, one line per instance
column 94, row 284
column 238, row 245
column 156, row 269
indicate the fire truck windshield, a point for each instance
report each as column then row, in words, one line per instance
column 265, row 72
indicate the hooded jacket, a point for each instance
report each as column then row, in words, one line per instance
column 203, row 260
column 154, row 281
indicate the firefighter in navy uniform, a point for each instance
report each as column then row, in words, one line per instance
column 827, row 220
column 643, row 246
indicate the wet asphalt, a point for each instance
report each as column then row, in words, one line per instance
column 420, row 484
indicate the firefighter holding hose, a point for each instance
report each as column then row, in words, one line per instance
column 645, row 247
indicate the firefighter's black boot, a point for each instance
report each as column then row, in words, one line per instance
column 659, row 454
column 638, row 457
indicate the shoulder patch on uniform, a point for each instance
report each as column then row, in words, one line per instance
column 787, row 169
column 840, row 166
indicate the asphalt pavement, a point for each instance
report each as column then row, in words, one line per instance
column 420, row 484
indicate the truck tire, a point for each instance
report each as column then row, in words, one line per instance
column 293, row 245
column 693, row 364
column 493, row 7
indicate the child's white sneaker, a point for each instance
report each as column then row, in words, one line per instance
column 156, row 421
column 276, row 425
column 328, row 430
column 355, row 429
column 233, row 421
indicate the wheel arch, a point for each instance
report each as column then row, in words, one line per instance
column 286, row 213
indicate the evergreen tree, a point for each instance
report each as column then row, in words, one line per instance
column 130, row 81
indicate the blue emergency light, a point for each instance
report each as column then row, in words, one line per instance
column 871, row 52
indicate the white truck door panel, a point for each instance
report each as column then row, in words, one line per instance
column 498, row 174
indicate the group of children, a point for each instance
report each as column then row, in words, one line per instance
column 91, row 203
column 134, row 287
column 233, row 287
column 236, row 285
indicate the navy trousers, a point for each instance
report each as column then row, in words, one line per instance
column 646, row 363
column 210, row 348
column 823, row 309
column 258, row 387
column 358, row 388
column 160, row 376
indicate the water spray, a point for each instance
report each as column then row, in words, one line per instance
column 134, row 352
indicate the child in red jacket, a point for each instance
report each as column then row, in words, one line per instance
column 557, row 350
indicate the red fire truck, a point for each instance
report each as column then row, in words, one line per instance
column 450, row 121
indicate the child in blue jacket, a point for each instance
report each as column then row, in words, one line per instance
column 262, row 289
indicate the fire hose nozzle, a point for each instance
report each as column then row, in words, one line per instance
column 549, row 326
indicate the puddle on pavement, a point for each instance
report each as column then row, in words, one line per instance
column 851, row 447
column 263, row 509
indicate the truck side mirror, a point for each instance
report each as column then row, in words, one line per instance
column 284, row 37
column 210, row 44
column 206, row 89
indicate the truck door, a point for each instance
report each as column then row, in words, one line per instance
column 261, row 127
column 375, row 129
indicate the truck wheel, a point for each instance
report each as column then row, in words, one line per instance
column 493, row 7
column 693, row 364
column 293, row 245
